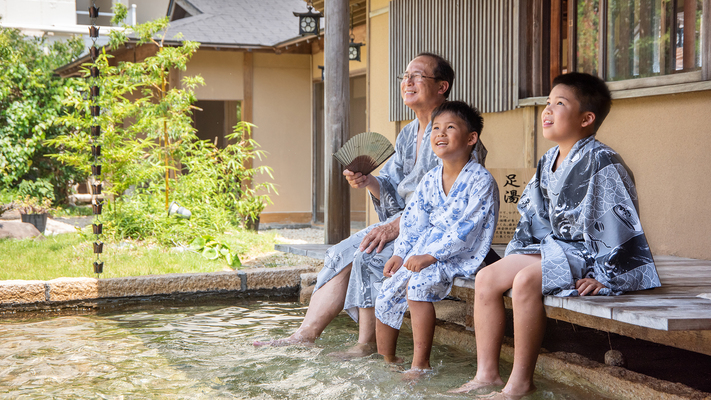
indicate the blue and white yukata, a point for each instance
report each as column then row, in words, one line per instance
column 398, row 179
column 583, row 220
column 456, row 229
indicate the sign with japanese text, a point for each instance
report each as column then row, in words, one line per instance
column 511, row 182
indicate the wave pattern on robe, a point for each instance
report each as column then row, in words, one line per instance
column 583, row 220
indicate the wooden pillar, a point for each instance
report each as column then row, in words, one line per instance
column 706, row 41
column 689, row 50
column 556, row 40
column 337, row 205
column 248, row 99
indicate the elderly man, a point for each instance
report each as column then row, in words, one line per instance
column 353, row 269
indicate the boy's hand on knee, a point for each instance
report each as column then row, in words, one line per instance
column 418, row 263
column 588, row 286
column 393, row 264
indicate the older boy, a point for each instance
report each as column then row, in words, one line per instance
column 579, row 234
column 445, row 232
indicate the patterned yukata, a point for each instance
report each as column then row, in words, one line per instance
column 398, row 179
column 583, row 220
column 456, row 229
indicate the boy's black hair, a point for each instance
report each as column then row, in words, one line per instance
column 443, row 70
column 470, row 115
column 591, row 91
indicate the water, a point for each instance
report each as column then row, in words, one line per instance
column 206, row 352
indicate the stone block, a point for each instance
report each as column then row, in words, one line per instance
column 151, row 285
column 22, row 292
column 68, row 289
column 308, row 283
column 274, row 278
column 18, row 230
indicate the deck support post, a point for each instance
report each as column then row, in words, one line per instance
column 337, row 90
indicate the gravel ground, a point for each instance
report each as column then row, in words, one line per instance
column 280, row 259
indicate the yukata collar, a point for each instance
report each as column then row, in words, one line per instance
column 579, row 148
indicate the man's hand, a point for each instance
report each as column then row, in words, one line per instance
column 356, row 179
column 380, row 236
column 418, row 263
column 391, row 267
column 588, row 286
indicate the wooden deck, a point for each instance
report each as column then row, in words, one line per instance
column 677, row 314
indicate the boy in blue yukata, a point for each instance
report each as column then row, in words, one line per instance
column 579, row 235
column 445, row 232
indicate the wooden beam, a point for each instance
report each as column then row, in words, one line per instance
column 337, row 87
column 555, row 41
column 248, row 94
column 706, row 41
column 689, row 35
column 530, row 129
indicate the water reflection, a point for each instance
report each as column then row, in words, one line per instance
column 206, row 352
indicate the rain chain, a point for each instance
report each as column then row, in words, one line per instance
column 96, row 203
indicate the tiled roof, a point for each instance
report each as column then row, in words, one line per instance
column 240, row 22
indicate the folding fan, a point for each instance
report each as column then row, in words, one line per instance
column 364, row 152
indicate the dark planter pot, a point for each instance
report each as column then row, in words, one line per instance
column 38, row 220
column 251, row 223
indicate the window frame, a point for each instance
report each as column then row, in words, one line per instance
column 548, row 14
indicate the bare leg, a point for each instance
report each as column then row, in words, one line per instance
column 529, row 328
column 422, row 315
column 325, row 305
column 489, row 317
column 366, row 336
column 387, row 342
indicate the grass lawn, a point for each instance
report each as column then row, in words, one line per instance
column 71, row 255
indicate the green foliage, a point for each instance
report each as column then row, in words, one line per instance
column 40, row 189
column 213, row 249
column 150, row 154
column 30, row 104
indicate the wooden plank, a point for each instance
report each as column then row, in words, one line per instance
column 530, row 129
column 706, row 40
column 555, row 40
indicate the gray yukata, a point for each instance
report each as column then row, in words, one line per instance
column 398, row 179
column 583, row 220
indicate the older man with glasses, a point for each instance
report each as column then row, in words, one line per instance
column 353, row 269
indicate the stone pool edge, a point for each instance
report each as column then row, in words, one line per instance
column 567, row 368
column 21, row 293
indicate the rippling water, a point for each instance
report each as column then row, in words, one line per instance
column 206, row 352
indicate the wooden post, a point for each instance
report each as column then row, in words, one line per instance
column 706, row 41
column 530, row 131
column 248, row 101
column 337, row 205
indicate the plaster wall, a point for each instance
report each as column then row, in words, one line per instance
column 38, row 12
column 282, row 113
column 222, row 72
column 378, row 112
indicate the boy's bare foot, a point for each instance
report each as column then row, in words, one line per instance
column 414, row 374
column 476, row 384
column 393, row 360
column 357, row 351
column 294, row 339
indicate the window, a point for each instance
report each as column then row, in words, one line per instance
column 642, row 38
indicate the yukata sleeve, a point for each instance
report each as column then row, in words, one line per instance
column 534, row 224
column 390, row 203
column 613, row 233
column 414, row 220
column 473, row 226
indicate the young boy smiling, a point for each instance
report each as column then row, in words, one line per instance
column 445, row 232
column 579, row 234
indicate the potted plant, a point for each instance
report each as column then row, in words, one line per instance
column 35, row 202
column 250, row 208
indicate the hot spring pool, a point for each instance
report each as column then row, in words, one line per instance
column 206, row 352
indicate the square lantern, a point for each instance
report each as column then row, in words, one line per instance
column 354, row 51
column 309, row 22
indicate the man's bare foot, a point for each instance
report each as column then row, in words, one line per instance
column 475, row 384
column 294, row 339
column 414, row 374
column 502, row 395
column 357, row 351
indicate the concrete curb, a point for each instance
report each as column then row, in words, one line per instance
column 18, row 292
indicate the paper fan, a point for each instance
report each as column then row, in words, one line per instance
column 364, row 152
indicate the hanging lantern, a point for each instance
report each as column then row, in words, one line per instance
column 354, row 51
column 309, row 22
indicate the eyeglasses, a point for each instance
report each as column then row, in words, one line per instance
column 413, row 77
